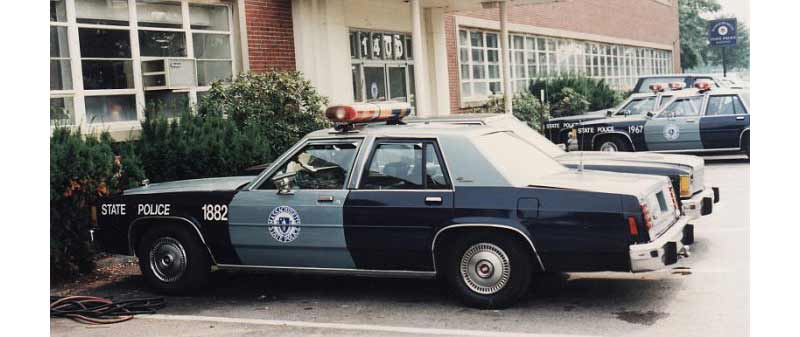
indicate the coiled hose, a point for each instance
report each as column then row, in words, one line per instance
column 98, row 310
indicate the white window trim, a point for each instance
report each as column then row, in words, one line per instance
column 78, row 93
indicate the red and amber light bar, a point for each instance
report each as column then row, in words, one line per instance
column 368, row 112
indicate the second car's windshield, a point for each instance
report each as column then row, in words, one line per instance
column 683, row 107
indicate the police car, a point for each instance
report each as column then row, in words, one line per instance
column 478, row 207
column 557, row 130
column 694, row 120
column 686, row 172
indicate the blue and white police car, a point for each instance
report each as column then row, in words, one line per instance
column 480, row 208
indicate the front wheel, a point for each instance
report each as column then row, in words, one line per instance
column 613, row 145
column 488, row 271
column 172, row 260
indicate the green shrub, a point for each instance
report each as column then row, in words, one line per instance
column 82, row 169
column 597, row 92
column 526, row 106
column 283, row 104
column 201, row 146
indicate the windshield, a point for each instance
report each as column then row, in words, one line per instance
column 683, row 107
column 517, row 160
column 638, row 106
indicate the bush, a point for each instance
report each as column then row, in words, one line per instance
column 526, row 106
column 283, row 104
column 82, row 169
column 201, row 146
column 597, row 92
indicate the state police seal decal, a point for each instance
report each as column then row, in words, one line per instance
column 283, row 224
column 671, row 132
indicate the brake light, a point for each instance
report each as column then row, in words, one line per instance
column 672, row 195
column 632, row 226
column 657, row 87
column 368, row 112
column 646, row 216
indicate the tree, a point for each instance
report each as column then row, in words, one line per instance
column 736, row 57
column 694, row 30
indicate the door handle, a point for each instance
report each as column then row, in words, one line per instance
column 739, row 118
column 433, row 200
column 325, row 198
column 690, row 121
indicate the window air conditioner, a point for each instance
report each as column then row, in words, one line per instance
column 168, row 74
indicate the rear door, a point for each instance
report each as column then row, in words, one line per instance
column 725, row 119
column 404, row 193
column 677, row 127
column 300, row 226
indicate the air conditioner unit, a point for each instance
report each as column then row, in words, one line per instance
column 169, row 74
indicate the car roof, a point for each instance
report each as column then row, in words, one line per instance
column 678, row 75
column 410, row 130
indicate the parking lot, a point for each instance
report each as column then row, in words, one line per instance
column 706, row 295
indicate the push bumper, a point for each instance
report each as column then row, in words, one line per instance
column 701, row 203
column 664, row 251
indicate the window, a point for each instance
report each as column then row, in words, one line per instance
column 479, row 55
column 166, row 103
column 61, row 110
column 60, row 69
column 639, row 106
column 114, row 108
column 724, row 105
column 102, row 12
column 317, row 167
column 212, row 43
column 106, row 58
column 381, row 66
column 399, row 165
column 683, row 107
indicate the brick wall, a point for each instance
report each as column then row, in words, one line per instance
column 641, row 20
column 270, row 38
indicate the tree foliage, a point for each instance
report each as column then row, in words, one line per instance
column 694, row 30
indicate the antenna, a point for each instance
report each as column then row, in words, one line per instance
column 580, row 159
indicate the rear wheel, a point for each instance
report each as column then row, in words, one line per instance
column 613, row 144
column 487, row 270
column 173, row 260
column 746, row 145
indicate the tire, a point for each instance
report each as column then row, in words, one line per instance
column 746, row 145
column 461, row 268
column 173, row 260
column 613, row 144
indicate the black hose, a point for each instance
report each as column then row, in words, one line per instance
column 97, row 310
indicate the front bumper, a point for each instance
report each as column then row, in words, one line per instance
column 701, row 203
column 665, row 250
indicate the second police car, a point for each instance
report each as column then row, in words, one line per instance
column 695, row 120
column 478, row 207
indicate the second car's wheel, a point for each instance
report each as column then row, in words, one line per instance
column 487, row 270
column 613, row 144
column 173, row 260
column 746, row 145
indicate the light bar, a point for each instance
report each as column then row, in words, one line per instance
column 702, row 85
column 677, row 86
column 368, row 112
column 657, row 87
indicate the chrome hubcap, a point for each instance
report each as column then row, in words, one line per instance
column 485, row 268
column 609, row 147
column 167, row 259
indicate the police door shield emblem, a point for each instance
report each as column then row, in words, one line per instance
column 283, row 224
column 671, row 132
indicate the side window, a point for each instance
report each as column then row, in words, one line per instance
column 720, row 106
column 395, row 166
column 683, row 107
column 317, row 167
column 435, row 178
column 738, row 107
column 407, row 166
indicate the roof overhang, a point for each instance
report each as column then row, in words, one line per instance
column 465, row 5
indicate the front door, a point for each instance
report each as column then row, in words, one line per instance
column 294, row 217
column 725, row 119
column 676, row 127
column 404, row 194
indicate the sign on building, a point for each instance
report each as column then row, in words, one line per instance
column 722, row 32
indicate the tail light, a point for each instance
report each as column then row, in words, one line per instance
column 648, row 223
column 632, row 226
column 672, row 196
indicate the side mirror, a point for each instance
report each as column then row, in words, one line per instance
column 283, row 182
column 609, row 113
column 650, row 114
column 562, row 147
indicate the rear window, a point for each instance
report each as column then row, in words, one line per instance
column 517, row 160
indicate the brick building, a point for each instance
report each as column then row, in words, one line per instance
column 110, row 59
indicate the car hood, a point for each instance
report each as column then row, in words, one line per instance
column 684, row 161
column 592, row 114
column 193, row 185
column 638, row 185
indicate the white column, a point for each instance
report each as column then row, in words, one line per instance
column 442, row 98
column 507, row 94
column 420, row 66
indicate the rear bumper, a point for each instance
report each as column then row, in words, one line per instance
column 664, row 251
column 701, row 203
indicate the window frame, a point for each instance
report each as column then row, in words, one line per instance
column 377, row 142
column 734, row 97
column 359, row 62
